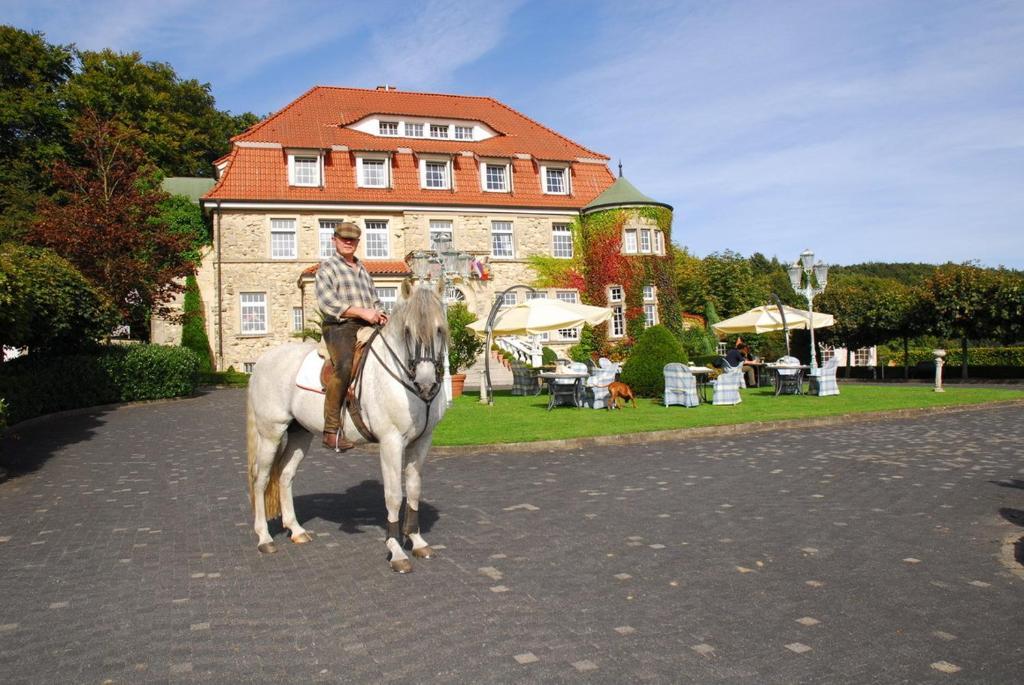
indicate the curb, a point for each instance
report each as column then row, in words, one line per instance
column 735, row 429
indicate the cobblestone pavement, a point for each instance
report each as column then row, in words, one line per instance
column 868, row 554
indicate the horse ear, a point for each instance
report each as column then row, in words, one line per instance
column 406, row 288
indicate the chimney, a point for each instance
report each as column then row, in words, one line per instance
column 386, row 87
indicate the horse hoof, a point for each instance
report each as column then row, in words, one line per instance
column 302, row 538
column 267, row 548
column 423, row 552
column 401, row 566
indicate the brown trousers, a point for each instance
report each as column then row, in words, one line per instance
column 340, row 340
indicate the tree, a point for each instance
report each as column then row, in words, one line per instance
column 868, row 311
column 179, row 128
column 961, row 296
column 464, row 345
column 46, row 304
column 732, row 286
column 32, row 122
column 106, row 222
column 184, row 218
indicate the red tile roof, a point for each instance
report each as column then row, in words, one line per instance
column 317, row 120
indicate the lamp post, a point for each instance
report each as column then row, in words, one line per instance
column 809, row 279
column 447, row 265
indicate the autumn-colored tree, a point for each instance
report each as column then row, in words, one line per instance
column 106, row 221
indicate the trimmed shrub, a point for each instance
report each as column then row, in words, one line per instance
column 644, row 370
column 976, row 356
column 587, row 347
column 464, row 346
column 548, row 356
column 193, row 330
column 35, row 384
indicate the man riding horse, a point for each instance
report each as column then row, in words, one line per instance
column 346, row 296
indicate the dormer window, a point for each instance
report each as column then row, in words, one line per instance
column 413, row 130
column 304, row 170
column 372, row 171
column 463, row 133
column 439, row 130
column 555, row 179
column 435, row 174
column 389, row 128
column 494, row 177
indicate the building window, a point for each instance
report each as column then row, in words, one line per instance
column 659, row 242
column 298, row 319
column 508, row 299
column 435, row 175
column 501, row 239
column 373, row 173
column 536, row 296
column 413, row 130
column 282, row 239
column 862, row 357
column 645, row 240
column 248, row 367
column 618, row 322
column 439, row 130
column 648, row 293
column 440, row 231
column 614, row 294
column 650, row 314
column 569, row 296
column 389, row 128
column 463, row 133
column 387, row 297
column 561, row 241
column 495, row 177
column 377, row 239
column 629, row 241
column 305, row 170
column 453, row 295
column 569, row 333
column 555, row 180
column 254, row 313
column 326, row 242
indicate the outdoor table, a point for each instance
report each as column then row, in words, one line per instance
column 563, row 390
column 799, row 368
column 700, row 375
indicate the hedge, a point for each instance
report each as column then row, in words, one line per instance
column 976, row 356
column 34, row 385
column 193, row 330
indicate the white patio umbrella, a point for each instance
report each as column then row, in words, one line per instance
column 542, row 316
column 767, row 318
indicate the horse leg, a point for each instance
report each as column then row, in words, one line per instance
column 391, row 450
column 265, row 453
column 413, row 480
column 301, row 440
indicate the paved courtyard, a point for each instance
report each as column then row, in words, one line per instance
column 866, row 552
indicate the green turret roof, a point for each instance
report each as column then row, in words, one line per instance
column 191, row 187
column 622, row 193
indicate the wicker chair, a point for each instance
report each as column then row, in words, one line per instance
column 727, row 387
column 524, row 380
column 595, row 391
column 680, row 386
column 790, row 381
column 827, row 384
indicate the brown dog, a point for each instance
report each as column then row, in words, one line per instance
column 615, row 391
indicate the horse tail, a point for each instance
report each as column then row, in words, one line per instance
column 272, row 493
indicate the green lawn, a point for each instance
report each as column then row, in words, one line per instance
column 526, row 419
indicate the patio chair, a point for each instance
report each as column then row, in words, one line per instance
column 567, row 390
column 729, row 369
column 680, row 386
column 790, row 381
column 524, row 380
column 827, row 384
column 595, row 391
column 727, row 387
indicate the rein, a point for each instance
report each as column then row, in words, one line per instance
column 408, row 366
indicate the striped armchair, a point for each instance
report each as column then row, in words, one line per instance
column 595, row 391
column 827, row 384
column 680, row 386
column 727, row 387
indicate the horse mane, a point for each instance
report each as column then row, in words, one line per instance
column 421, row 314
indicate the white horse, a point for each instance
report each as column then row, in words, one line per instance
column 399, row 389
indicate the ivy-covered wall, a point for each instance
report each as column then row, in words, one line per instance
column 598, row 262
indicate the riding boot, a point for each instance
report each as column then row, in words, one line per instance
column 333, row 439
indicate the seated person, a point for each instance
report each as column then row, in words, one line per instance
column 737, row 356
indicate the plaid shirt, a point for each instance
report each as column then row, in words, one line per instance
column 340, row 286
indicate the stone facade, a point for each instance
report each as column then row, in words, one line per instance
column 246, row 266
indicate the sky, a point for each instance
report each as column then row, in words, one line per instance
column 885, row 131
